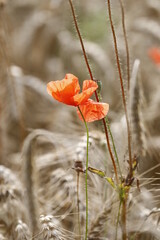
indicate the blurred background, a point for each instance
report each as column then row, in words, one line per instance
column 38, row 39
column 38, row 44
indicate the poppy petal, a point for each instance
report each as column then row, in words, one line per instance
column 64, row 90
column 89, row 84
column 93, row 111
column 75, row 83
column 154, row 54
column 89, row 87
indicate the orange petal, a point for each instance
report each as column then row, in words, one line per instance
column 64, row 90
column 93, row 111
column 89, row 84
column 154, row 54
column 89, row 87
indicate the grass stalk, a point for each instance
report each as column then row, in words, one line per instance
column 113, row 144
column 122, row 87
column 80, row 38
column 86, row 172
column 126, row 43
column 118, row 216
column 79, row 224
column 124, row 222
column 111, row 137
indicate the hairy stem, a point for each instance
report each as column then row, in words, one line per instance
column 86, row 173
column 122, row 87
column 80, row 38
column 126, row 43
column 96, row 95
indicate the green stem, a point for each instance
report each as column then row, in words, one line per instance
column 79, row 225
column 118, row 216
column 86, row 173
column 124, row 227
column 111, row 136
column 113, row 144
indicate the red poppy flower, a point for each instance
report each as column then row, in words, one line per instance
column 67, row 91
column 154, row 54
column 93, row 111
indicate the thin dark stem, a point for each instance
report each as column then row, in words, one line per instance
column 80, row 38
column 96, row 95
column 86, row 173
column 79, row 224
column 126, row 43
column 109, row 148
column 113, row 144
column 114, row 147
column 122, row 87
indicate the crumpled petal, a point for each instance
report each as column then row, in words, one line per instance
column 65, row 89
column 93, row 111
column 89, row 87
column 89, row 84
column 154, row 54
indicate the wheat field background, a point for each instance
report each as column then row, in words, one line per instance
column 41, row 139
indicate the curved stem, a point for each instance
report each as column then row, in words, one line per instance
column 86, row 173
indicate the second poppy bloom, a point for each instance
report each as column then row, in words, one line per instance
column 154, row 54
column 67, row 91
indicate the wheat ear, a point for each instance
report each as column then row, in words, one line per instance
column 135, row 107
column 98, row 225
